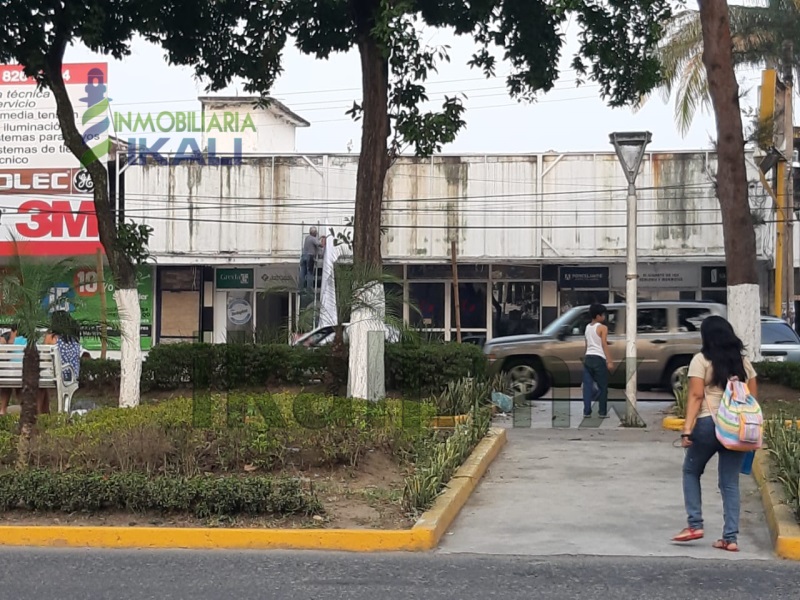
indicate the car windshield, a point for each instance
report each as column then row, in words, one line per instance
column 778, row 333
column 556, row 326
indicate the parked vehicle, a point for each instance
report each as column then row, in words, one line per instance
column 779, row 342
column 322, row 336
column 668, row 336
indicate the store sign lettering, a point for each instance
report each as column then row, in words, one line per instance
column 33, row 181
column 57, row 219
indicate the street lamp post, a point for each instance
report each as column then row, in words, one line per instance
column 630, row 147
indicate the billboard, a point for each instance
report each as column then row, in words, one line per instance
column 45, row 193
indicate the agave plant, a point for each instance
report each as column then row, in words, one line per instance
column 681, row 393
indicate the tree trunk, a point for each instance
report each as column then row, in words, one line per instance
column 744, row 302
column 124, row 271
column 373, row 162
column 28, row 396
column 366, row 373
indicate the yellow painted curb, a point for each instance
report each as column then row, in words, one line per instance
column 441, row 515
column 448, row 422
column 673, row 423
column 425, row 534
column 782, row 523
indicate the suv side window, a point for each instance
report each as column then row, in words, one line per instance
column 689, row 319
column 652, row 320
column 578, row 326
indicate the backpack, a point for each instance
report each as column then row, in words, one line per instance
column 739, row 424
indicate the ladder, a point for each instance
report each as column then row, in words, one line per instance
column 316, row 275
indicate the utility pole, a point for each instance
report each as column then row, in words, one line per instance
column 788, row 204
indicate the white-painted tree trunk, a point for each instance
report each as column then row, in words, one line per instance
column 366, row 377
column 130, row 318
column 744, row 313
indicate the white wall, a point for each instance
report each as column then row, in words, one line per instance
column 524, row 207
column 272, row 134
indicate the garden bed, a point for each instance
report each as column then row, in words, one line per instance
column 236, row 461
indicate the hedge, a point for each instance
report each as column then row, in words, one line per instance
column 781, row 373
column 43, row 490
column 414, row 369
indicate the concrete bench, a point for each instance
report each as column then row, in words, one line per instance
column 53, row 373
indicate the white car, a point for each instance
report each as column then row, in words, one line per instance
column 322, row 336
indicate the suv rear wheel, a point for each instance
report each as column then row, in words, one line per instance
column 526, row 376
column 676, row 368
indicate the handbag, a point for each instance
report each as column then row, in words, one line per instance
column 739, row 422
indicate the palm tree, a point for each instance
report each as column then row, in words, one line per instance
column 763, row 34
column 27, row 297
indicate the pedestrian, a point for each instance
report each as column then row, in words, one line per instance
column 11, row 337
column 721, row 358
column 64, row 334
column 596, row 362
column 311, row 246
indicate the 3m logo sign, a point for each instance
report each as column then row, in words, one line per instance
column 41, row 219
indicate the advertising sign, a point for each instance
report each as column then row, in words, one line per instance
column 80, row 294
column 45, row 192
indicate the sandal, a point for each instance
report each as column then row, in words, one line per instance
column 689, row 535
column 726, row 545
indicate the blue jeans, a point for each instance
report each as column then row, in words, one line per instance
column 306, row 272
column 595, row 372
column 704, row 446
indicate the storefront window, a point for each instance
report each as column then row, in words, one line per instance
column 428, row 298
column 472, row 300
column 515, row 308
column 272, row 316
column 179, row 298
column 572, row 298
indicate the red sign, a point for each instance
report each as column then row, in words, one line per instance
column 73, row 73
column 50, row 226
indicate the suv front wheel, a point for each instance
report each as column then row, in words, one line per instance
column 526, row 376
column 675, row 371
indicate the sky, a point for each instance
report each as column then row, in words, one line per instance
column 566, row 119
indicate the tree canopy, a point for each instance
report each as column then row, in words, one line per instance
column 762, row 35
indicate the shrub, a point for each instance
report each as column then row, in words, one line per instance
column 100, row 375
column 215, row 433
column 784, row 446
column 417, row 370
column 202, row 496
column 781, row 373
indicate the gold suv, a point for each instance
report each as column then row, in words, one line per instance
column 667, row 337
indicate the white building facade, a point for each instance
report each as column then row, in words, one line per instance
column 535, row 233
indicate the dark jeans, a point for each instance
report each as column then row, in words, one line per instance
column 595, row 372
column 306, row 272
column 704, row 446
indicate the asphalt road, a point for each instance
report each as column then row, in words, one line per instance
column 174, row 575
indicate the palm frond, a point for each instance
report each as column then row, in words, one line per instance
column 758, row 33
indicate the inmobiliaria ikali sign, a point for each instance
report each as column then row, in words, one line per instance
column 45, row 193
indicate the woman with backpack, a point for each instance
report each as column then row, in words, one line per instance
column 720, row 360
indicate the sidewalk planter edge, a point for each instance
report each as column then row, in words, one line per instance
column 673, row 423
column 424, row 535
column 783, row 526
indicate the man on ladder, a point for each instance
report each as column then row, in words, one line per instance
column 311, row 248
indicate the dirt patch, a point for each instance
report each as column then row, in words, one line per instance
column 778, row 399
column 368, row 497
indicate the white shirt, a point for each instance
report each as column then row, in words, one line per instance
column 594, row 345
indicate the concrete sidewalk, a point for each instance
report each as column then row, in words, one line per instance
column 607, row 491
